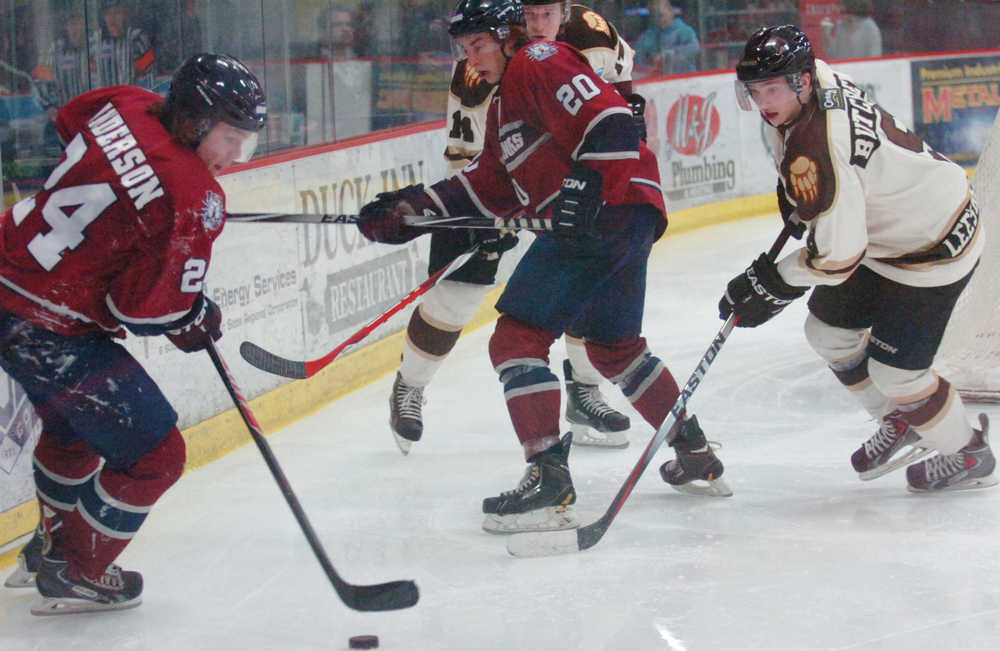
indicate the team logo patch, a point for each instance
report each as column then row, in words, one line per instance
column 805, row 179
column 540, row 51
column 831, row 98
column 211, row 211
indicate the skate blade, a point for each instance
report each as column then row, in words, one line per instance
column 912, row 454
column 404, row 445
column 20, row 578
column 967, row 485
column 68, row 606
column 705, row 488
column 543, row 543
column 551, row 518
column 590, row 437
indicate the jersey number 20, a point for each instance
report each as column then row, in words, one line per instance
column 575, row 93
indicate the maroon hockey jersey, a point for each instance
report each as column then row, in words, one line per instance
column 543, row 119
column 122, row 231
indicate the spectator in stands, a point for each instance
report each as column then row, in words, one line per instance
column 180, row 37
column 855, row 35
column 336, row 30
column 670, row 45
column 122, row 53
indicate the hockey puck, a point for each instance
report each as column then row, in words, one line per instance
column 363, row 642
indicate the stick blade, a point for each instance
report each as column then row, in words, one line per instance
column 394, row 595
column 271, row 363
column 532, row 544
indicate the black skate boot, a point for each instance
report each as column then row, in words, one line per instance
column 405, row 419
column 542, row 501
column 28, row 561
column 696, row 470
column 875, row 456
column 66, row 591
column 593, row 421
column 970, row 467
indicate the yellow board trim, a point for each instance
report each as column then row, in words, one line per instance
column 221, row 434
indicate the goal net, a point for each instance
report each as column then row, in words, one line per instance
column 969, row 356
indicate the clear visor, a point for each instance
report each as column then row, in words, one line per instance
column 750, row 95
column 743, row 95
column 248, row 146
column 478, row 42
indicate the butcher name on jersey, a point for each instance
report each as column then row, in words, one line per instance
column 862, row 115
column 128, row 161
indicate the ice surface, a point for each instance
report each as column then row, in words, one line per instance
column 803, row 556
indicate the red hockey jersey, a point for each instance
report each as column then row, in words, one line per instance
column 122, row 231
column 547, row 115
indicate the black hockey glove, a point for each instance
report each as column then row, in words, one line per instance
column 637, row 103
column 204, row 320
column 382, row 220
column 493, row 242
column 757, row 294
column 575, row 211
column 787, row 210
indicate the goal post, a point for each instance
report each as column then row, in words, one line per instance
column 969, row 356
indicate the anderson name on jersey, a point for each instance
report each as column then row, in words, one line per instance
column 862, row 182
column 121, row 233
column 469, row 96
column 552, row 109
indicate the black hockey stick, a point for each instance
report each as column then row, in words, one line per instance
column 383, row 596
column 300, row 370
column 544, row 543
column 460, row 222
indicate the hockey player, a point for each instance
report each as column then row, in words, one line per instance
column 893, row 236
column 438, row 321
column 601, row 189
column 119, row 237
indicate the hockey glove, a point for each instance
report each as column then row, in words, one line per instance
column 493, row 242
column 203, row 321
column 637, row 103
column 757, row 294
column 383, row 220
column 579, row 202
column 787, row 210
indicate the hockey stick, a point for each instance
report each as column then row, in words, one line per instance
column 383, row 596
column 297, row 370
column 544, row 543
column 460, row 222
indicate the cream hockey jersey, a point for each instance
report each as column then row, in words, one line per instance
column 872, row 193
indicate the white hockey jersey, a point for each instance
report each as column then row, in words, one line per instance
column 469, row 96
column 872, row 193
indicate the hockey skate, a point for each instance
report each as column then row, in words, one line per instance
column 28, row 561
column 66, row 591
column 696, row 470
column 970, row 467
column 592, row 421
column 875, row 457
column 542, row 501
column 405, row 418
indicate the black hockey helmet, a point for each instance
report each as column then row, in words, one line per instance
column 565, row 6
column 211, row 88
column 493, row 16
column 776, row 51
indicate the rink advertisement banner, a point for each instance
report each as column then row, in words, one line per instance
column 699, row 137
column 954, row 103
column 19, row 431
